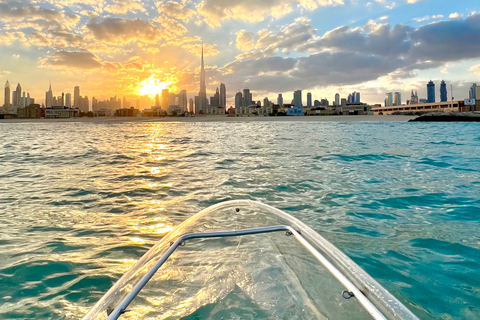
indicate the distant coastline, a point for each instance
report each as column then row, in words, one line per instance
column 220, row 118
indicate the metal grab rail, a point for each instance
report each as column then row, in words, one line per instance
column 352, row 289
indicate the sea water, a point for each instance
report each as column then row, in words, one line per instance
column 81, row 202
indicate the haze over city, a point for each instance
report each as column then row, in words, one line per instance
column 134, row 48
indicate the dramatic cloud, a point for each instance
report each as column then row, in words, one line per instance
column 175, row 10
column 123, row 31
column 214, row 11
column 77, row 60
column 124, row 6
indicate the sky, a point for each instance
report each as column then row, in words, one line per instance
column 133, row 47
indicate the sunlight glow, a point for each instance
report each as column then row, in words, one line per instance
column 151, row 86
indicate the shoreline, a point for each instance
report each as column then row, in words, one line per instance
column 221, row 118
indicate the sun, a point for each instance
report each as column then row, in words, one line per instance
column 151, row 86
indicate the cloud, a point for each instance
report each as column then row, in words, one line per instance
column 121, row 31
column 455, row 15
column 265, row 42
column 73, row 59
column 175, row 10
column 21, row 14
column 124, row 6
column 475, row 70
column 215, row 11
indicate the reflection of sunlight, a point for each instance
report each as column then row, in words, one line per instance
column 137, row 240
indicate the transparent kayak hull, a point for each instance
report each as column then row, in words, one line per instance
column 244, row 259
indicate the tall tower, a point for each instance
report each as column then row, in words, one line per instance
column 76, row 97
column 49, row 97
column 309, row 100
column 202, row 94
column 6, row 103
column 397, row 99
column 223, row 96
column 18, row 96
column 337, row 99
column 443, row 91
column 430, row 92
column 280, row 100
column 297, row 99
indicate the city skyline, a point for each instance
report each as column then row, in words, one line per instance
column 118, row 48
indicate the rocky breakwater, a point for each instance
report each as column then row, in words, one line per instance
column 448, row 117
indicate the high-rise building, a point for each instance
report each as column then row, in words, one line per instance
column 430, row 92
column 183, row 100
column 18, row 96
column 68, row 100
column 49, row 97
column 266, row 103
column 94, row 104
column 238, row 100
column 247, row 97
column 191, row 105
column 389, row 99
column 76, row 97
column 6, row 101
column 223, row 96
column 157, row 101
column 309, row 100
column 414, row 98
column 280, row 100
column 297, row 98
column 357, row 97
column 337, row 99
column 397, row 99
column 473, row 92
column 443, row 91
column 165, row 99
column 201, row 102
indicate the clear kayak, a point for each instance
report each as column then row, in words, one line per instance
column 246, row 260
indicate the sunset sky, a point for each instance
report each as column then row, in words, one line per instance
column 110, row 47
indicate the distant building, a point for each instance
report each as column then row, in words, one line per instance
column 165, row 99
column 238, row 100
column 280, row 100
column 49, row 97
column 76, row 96
column 68, row 100
column 309, row 100
column 297, row 99
column 397, row 99
column 223, row 96
column 443, row 91
column 414, row 98
column 473, row 91
column 247, row 98
column 430, row 92
column 389, row 99
column 6, row 102
column 337, row 99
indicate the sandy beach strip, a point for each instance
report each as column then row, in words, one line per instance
column 220, row 118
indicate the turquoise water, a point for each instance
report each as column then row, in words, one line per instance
column 80, row 202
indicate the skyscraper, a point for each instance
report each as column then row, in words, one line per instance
column 223, row 96
column 443, row 91
column 430, row 92
column 247, row 97
column 202, row 94
column 414, row 98
column 297, row 98
column 397, row 99
column 473, row 91
column 337, row 99
column 68, row 100
column 357, row 97
column 49, row 97
column 238, row 100
column 389, row 99
column 182, row 100
column 309, row 100
column 18, row 96
column 76, row 97
column 165, row 99
column 6, row 103
column 280, row 100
